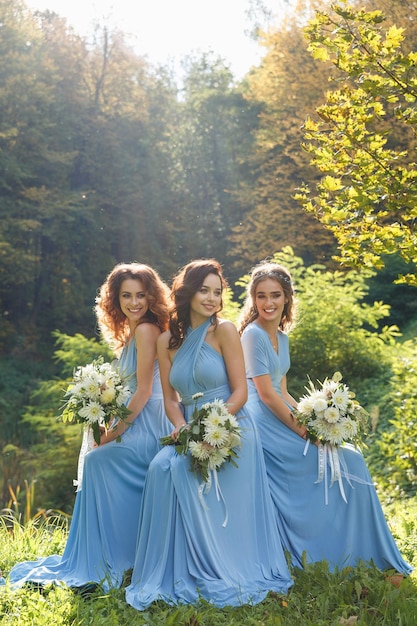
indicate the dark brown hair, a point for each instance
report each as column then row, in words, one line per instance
column 185, row 285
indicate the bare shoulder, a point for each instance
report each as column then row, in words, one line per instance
column 225, row 329
column 163, row 339
column 147, row 332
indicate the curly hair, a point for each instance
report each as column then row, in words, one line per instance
column 112, row 322
column 283, row 277
column 185, row 285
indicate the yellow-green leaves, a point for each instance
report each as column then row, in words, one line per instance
column 361, row 145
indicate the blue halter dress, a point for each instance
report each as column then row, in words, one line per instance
column 186, row 550
column 102, row 538
column 339, row 532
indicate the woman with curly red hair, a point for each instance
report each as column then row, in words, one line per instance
column 132, row 311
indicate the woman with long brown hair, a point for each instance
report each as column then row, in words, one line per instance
column 219, row 544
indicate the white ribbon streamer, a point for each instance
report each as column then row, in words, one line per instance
column 87, row 444
column 205, row 487
column 328, row 454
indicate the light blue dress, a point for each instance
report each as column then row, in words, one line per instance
column 102, row 538
column 340, row 533
column 184, row 550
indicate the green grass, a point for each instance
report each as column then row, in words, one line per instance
column 352, row 596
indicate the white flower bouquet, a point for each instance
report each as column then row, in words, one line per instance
column 331, row 414
column 96, row 397
column 331, row 417
column 211, row 437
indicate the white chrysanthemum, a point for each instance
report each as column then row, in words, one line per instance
column 217, row 458
column 341, row 397
column 213, row 418
column 333, row 433
column 87, row 370
column 76, row 390
column 316, row 394
column 234, row 440
column 350, row 428
column 107, row 395
column 197, row 395
column 91, row 387
column 92, row 412
column 123, row 396
column 329, row 386
column 234, row 423
column 305, row 406
column 199, row 450
column 219, row 406
column 215, row 435
column 107, row 369
column 319, row 405
column 332, row 414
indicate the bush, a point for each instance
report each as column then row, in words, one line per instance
column 398, row 442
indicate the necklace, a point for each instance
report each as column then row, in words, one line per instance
column 272, row 338
column 274, row 343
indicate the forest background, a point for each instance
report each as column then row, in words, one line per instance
column 105, row 158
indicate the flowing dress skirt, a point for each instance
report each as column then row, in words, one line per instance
column 102, row 538
column 339, row 532
column 224, row 548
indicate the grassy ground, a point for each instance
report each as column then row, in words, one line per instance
column 352, row 596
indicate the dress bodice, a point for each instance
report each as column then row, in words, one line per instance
column 199, row 368
column 261, row 358
column 127, row 368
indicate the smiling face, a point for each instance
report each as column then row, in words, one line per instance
column 207, row 300
column 133, row 300
column 270, row 300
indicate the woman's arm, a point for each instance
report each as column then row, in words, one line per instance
column 171, row 399
column 228, row 342
column 276, row 404
column 146, row 336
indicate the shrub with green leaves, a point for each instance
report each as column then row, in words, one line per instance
column 398, row 442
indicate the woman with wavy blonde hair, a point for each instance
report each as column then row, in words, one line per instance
column 132, row 310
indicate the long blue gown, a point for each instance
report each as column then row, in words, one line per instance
column 184, row 550
column 102, row 538
column 340, row 533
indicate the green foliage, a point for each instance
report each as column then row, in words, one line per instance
column 231, row 308
column 366, row 195
column 361, row 595
column 402, row 298
column 398, row 441
column 285, row 87
column 213, row 131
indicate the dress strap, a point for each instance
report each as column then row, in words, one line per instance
column 191, row 346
